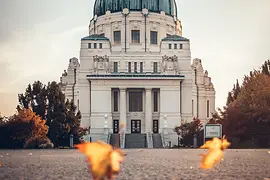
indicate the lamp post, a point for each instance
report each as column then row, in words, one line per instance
column 145, row 13
column 125, row 12
column 105, row 121
column 165, row 124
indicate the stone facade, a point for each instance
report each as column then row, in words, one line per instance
column 155, row 63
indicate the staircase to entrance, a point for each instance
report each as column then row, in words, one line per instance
column 135, row 141
column 114, row 140
column 157, row 141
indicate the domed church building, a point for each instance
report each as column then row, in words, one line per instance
column 135, row 69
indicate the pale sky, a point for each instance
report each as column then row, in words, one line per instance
column 37, row 39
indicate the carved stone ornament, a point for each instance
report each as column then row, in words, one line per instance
column 170, row 64
column 101, row 63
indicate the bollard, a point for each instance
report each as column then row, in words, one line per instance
column 195, row 141
column 71, row 141
column 90, row 139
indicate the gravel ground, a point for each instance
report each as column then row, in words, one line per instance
column 139, row 164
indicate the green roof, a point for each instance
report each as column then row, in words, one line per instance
column 168, row 6
column 96, row 37
column 175, row 38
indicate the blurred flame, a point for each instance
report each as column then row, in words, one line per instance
column 0, row 164
column 215, row 153
column 105, row 161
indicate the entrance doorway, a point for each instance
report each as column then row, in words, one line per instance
column 155, row 126
column 115, row 126
column 135, row 126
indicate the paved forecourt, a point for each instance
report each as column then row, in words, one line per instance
column 139, row 164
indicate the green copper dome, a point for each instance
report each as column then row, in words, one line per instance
column 168, row 6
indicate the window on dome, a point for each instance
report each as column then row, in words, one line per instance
column 129, row 67
column 141, row 67
column 89, row 45
column 100, row 45
column 102, row 34
column 95, row 45
column 153, row 37
column 117, row 37
column 181, row 46
column 115, row 67
column 155, row 70
column 170, row 46
column 168, row 35
column 135, row 67
column 175, row 46
column 135, row 35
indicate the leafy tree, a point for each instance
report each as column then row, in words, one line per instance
column 21, row 127
column 188, row 130
column 229, row 98
column 62, row 118
column 248, row 117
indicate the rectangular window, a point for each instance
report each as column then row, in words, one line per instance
column 115, row 101
column 135, row 101
column 100, row 45
column 89, row 45
column 192, row 107
column 129, row 67
column 141, row 67
column 155, row 70
column 155, row 101
column 95, row 45
column 153, row 37
column 175, row 46
column 135, row 67
column 115, row 67
column 117, row 37
column 181, row 46
column 170, row 46
column 135, row 36
column 208, row 108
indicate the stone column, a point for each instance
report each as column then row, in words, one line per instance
column 148, row 109
column 123, row 107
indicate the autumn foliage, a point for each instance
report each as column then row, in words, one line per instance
column 247, row 114
column 20, row 128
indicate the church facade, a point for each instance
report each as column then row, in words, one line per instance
column 135, row 69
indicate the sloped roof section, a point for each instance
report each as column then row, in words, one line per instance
column 175, row 38
column 95, row 37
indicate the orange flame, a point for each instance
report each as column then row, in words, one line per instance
column 216, row 150
column 105, row 161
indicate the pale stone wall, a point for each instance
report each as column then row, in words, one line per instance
column 95, row 96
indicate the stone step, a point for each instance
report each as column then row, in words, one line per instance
column 135, row 141
column 114, row 140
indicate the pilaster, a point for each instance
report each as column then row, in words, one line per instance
column 123, row 106
column 148, row 109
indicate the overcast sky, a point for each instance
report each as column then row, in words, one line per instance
column 37, row 38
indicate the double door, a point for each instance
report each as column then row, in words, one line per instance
column 135, row 126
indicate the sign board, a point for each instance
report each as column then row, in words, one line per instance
column 212, row 130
